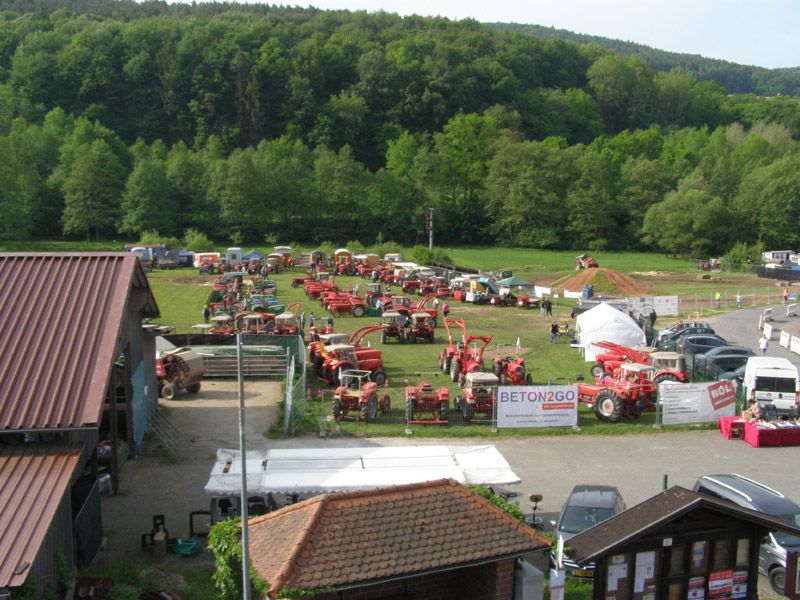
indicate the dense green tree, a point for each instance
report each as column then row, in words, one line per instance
column 147, row 201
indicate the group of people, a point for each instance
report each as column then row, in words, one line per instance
column 546, row 308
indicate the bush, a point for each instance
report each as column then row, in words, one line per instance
column 356, row 247
column 150, row 238
column 388, row 247
column 195, row 241
column 421, row 255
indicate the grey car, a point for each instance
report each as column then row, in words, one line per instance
column 756, row 496
column 586, row 506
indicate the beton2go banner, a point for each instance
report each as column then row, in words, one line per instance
column 696, row 402
column 537, row 406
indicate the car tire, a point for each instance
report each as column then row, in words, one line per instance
column 777, row 580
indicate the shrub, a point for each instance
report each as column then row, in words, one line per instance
column 195, row 241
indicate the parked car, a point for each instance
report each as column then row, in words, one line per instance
column 586, row 506
column 736, row 375
column 682, row 333
column 679, row 326
column 756, row 496
column 698, row 344
column 723, row 362
column 730, row 350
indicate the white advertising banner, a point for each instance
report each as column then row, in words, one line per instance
column 696, row 402
column 542, row 291
column 794, row 345
column 785, row 338
column 666, row 305
column 568, row 294
column 537, row 406
column 640, row 306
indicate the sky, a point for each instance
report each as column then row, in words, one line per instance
column 749, row 32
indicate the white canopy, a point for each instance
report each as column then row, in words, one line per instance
column 604, row 323
column 327, row 470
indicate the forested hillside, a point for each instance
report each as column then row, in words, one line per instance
column 735, row 78
column 247, row 122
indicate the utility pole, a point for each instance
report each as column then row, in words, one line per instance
column 429, row 228
column 243, row 498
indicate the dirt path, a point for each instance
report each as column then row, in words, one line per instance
column 625, row 284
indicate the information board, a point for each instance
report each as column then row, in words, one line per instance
column 537, row 406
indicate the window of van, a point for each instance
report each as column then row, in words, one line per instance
column 783, row 385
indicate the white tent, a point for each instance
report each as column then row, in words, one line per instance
column 311, row 471
column 604, row 323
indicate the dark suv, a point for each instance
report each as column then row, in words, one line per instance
column 756, row 496
column 586, row 506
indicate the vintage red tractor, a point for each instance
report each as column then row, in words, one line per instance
column 359, row 395
column 286, row 322
column 342, row 357
column 393, row 327
column 479, row 396
column 446, row 355
column 421, row 327
column 425, row 399
column 528, row 302
column 667, row 366
column 510, row 369
column 410, row 285
column 321, row 326
column 468, row 357
column 298, row 281
column 222, row 324
column 344, row 303
column 628, row 395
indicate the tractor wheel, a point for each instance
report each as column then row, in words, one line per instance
column 295, row 284
column 433, row 322
column 383, row 336
column 447, row 362
column 497, row 369
column 441, row 361
column 503, row 379
column 467, row 412
column 336, row 314
column 444, row 411
column 359, row 311
column 169, row 391
column 409, row 411
column 373, row 300
column 193, row 389
column 270, row 326
column 412, row 337
column 453, row 370
column 336, row 409
column 379, row 377
column 777, row 579
column 596, row 370
column 337, row 376
column 608, row 406
column 386, row 403
column 430, row 337
column 666, row 377
column 462, row 379
column 369, row 409
column 528, row 379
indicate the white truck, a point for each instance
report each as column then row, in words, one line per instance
column 773, row 381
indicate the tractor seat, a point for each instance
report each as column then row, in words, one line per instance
column 426, row 387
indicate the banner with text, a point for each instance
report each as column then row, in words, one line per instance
column 663, row 305
column 537, row 406
column 696, row 402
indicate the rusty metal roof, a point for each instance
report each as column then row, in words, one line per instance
column 61, row 318
column 35, row 478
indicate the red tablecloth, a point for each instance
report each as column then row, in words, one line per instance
column 725, row 425
column 756, row 436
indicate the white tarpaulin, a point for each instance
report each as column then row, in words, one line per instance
column 696, row 402
column 325, row 470
column 604, row 323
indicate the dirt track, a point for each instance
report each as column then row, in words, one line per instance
column 625, row 284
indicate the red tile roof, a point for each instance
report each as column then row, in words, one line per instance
column 61, row 318
column 358, row 537
column 34, row 478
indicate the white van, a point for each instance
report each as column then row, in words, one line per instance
column 775, row 381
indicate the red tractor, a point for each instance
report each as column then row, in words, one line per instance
column 628, row 395
column 425, row 399
column 410, row 286
column 528, row 302
column 222, row 324
column 421, row 327
column 468, row 357
column 286, row 322
column 393, row 326
column 359, row 395
column 321, row 326
column 667, row 366
column 345, row 303
column 510, row 370
column 318, row 349
column 446, row 355
column 479, row 396
column 344, row 357
column 177, row 369
column 584, row 261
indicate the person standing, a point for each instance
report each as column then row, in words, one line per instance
column 379, row 307
column 717, row 297
column 436, row 303
column 356, row 289
column 543, row 307
column 762, row 344
column 739, row 299
column 785, row 294
column 302, row 320
column 554, row 332
column 548, row 307
column 311, row 320
column 653, row 317
column 206, row 314
column 445, row 309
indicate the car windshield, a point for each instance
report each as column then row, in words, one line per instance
column 579, row 518
column 786, row 539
